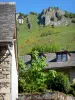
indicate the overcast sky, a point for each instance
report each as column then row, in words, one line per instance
column 27, row 6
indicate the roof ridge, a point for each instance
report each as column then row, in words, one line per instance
column 10, row 3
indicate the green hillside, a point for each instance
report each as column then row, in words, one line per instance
column 64, row 36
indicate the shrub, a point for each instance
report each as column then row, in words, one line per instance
column 73, row 20
column 50, row 78
column 72, row 89
column 51, row 47
column 69, row 15
column 59, row 83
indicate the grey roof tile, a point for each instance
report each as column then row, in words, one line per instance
column 51, row 61
column 7, row 21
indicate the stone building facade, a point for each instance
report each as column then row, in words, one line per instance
column 8, row 52
column 5, row 63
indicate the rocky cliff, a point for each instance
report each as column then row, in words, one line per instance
column 54, row 17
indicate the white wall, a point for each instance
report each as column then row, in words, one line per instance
column 20, row 21
column 72, row 74
column 14, row 76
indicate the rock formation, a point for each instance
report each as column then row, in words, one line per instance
column 53, row 16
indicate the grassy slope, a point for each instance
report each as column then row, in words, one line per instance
column 64, row 36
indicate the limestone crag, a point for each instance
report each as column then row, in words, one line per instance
column 54, row 16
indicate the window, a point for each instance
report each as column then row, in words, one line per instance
column 61, row 57
column 64, row 58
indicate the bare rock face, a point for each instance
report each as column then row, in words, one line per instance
column 54, row 16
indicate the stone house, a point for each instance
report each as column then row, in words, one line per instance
column 62, row 61
column 20, row 19
column 8, row 52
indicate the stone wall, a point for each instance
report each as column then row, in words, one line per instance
column 4, row 73
column 46, row 96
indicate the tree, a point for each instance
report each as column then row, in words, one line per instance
column 32, row 79
column 22, row 73
column 33, row 13
column 59, row 83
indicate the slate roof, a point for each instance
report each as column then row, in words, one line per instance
column 52, row 64
column 20, row 17
column 7, row 21
column 26, row 58
column 51, row 61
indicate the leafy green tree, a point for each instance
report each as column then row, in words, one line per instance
column 37, row 76
column 33, row 13
column 59, row 83
column 32, row 79
column 21, row 80
column 69, row 15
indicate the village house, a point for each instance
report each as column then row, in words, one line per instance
column 19, row 18
column 62, row 61
column 8, row 52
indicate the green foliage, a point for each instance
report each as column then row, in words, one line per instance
column 59, row 83
column 32, row 79
column 22, row 74
column 33, row 13
column 26, row 15
column 46, row 48
column 69, row 15
column 72, row 89
column 23, row 15
column 73, row 20
column 50, row 78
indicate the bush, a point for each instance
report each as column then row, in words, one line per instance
column 73, row 20
column 59, row 83
column 72, row 89
column 69, row 15
column 51, row 47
